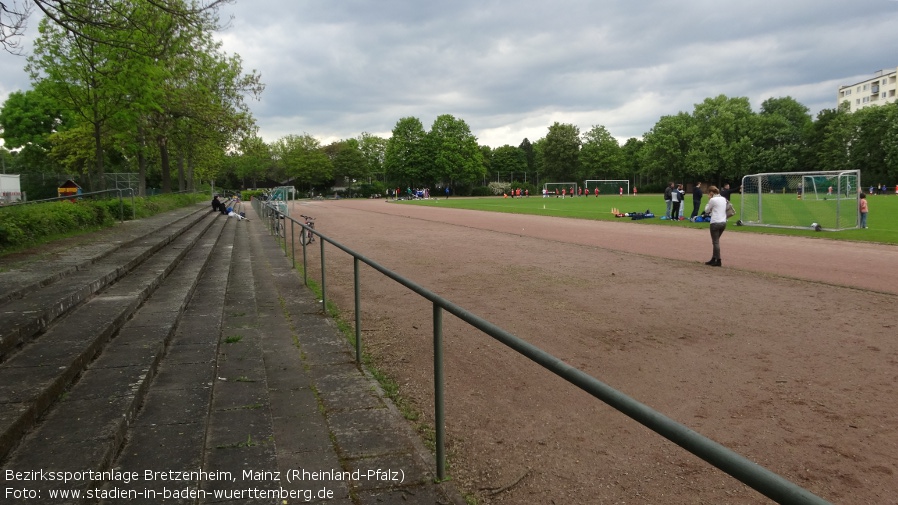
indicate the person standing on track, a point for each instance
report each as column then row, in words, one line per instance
column 717, row 209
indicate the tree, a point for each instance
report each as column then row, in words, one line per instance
column 404, row 159
column 84, row 76
column 869, row 151
column 600, row 156
column 527, row 148
column 454, row 154
column 117, row 19
column 721, row 143
column 561, row 152
column 13, row 21
column 778, row 137
column 28, row 119
column 837, row 134
column 254, row 161
column 890, row 146
column 348, row 161
column 373, row 150
column 666, row 146
column 509, row 159
column 303, row 159
column 632, row 161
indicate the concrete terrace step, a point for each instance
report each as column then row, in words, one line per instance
column 41, row 291
column 34, row 378
column 227, row 366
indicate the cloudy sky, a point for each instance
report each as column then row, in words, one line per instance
column 335, row 69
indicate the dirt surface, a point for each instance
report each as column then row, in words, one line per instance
column 787, row 355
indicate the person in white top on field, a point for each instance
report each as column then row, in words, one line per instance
column 717, row 209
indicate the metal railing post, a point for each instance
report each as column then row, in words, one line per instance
column 305, row 266
column 323, row 279
column 438, row 389
column 292, row 244
column 358, row 310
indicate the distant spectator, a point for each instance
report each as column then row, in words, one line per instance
column 862, row 207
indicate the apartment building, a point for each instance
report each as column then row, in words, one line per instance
column 878, row 90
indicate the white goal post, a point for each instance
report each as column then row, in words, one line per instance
column 607, row 186
column 801, row 199
column 555, row 188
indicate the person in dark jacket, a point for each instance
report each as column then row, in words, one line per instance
column 215, row 203
column 696, row 200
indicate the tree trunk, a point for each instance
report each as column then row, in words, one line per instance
column 181, row 187
column 164, row 164
column 141, row 163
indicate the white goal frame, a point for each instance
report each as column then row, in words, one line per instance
column 794, row 200
column 620, row 183
column 561, row 185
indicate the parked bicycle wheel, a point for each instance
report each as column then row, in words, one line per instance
column 281, row 227
column 305, row 236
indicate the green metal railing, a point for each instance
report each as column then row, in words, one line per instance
column 746, row 471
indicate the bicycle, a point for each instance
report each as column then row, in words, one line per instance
column 306, row 236
column 280, row 228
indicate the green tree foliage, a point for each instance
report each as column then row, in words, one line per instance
column 527, row 148
column 486, row 157
column 303, row 159
column 600, row 156
column 254, row 162
column 666, row 146
column 890, row 147
column 373, row 150
column 405, row 156
column 185, row 98
column 83, row 76
column 509, row 159
column 561, row 152
column 631, row 161
column 118, row 20
column 348, row 160
column 778, row 138
column 453, row 152
column 837, row 136
column 27, row 121
column 721, row 146
column 869, row 151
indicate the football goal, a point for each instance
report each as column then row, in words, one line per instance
column 801, row 199
column 556, row 188
column 606, row 186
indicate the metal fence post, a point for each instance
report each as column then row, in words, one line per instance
column 358, row 310
column 305, row 265
column 323, row 279
column 438, row 388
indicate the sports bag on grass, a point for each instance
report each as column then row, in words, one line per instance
column 730, row 210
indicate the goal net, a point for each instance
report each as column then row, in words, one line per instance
column 801, row 199
column 556, row 188
column 606, row 186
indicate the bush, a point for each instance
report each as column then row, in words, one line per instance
column 481, row 191
column 28, row 225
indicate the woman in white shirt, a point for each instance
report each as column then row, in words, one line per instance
column 717, row 208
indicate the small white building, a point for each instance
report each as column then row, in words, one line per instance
column 879, row 89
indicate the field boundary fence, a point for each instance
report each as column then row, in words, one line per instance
column 760, row 479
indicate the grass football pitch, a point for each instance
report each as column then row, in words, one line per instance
column 882, row 220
